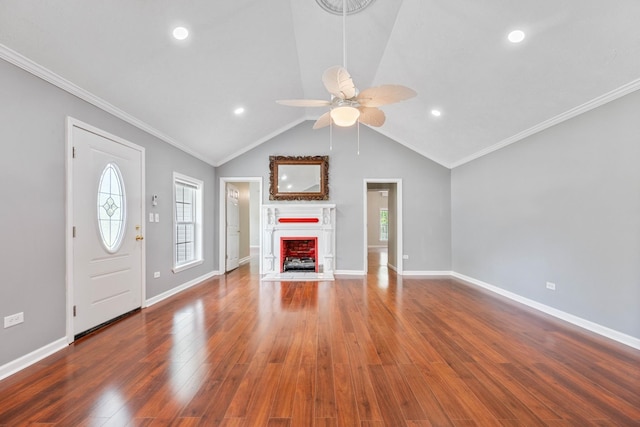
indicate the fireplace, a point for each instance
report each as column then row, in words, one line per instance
column 299, row 254
column 314, row 225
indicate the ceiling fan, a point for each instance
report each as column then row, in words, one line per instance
column 347, row 105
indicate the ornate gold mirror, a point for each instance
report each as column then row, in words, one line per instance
column 299, row 177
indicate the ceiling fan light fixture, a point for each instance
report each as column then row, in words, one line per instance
column 345, row 116
column 337, row 6
column 180, row 33
column 516, row 36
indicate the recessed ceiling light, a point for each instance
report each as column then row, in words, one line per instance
column 180, row 33
column 516, row 36
column 436, row 113
column 238, row 111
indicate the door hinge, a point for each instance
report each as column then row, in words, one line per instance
column 74, row 231
column 74, row 311
column 73, row 152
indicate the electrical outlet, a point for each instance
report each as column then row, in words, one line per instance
column 156, row 274
column 405, row 256
column 13, row 320
column 551, row 285
column 151, row 217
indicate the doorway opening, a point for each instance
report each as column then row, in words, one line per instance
column 382, row 225
column 240, row 223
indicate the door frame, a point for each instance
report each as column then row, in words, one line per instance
column 222, row 223
column 229, row 187
column 398, row 210
column 69, row 220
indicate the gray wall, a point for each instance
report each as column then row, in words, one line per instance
column 561, row 206
column 32, row 170
column 426, row 198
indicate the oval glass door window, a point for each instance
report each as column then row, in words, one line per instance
column 111, row 208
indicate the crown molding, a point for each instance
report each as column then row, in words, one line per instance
column 411, row 147
column 261, row 141
column 576, row 111
column 49, row 76
column 399, row 141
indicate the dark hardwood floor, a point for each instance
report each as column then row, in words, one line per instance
column 375, row 351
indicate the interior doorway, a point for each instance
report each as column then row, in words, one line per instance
column 383, row 224
column 247, row 225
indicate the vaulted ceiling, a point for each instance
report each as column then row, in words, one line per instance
column 249, row 53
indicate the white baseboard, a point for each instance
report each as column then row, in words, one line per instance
column 350, row 272
column 39, row 354
column 427, row 273
column 244, row 260
column 575, row 320
column 154, row 300
column 31, row 358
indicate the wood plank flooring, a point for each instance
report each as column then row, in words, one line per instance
column 375, row 351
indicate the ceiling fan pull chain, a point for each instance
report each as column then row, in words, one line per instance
column 358, row 137
column 330, row 135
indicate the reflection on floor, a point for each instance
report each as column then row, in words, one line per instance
column 377, row 260
column 305, row 276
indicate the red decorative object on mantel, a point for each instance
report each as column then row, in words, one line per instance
column 298, row 220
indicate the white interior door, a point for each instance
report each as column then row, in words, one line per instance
column 108, row 225
column 233, row 227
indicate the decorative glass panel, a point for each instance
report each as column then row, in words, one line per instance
column 111, row 207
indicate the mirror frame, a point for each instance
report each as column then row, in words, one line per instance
column 276, row 161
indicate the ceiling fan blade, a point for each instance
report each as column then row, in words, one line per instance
column 324, row 120
column 385, row 94
column 371, row 116
column 338, row 82
column 304, row 102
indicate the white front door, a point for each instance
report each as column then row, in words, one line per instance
column 107, row 219
column 233, row 227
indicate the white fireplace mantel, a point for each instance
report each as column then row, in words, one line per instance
column 298, row 220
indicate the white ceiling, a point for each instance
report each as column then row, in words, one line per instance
column 249, row 53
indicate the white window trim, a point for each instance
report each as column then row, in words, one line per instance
column 184, row 179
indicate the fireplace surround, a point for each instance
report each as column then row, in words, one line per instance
column 314, row 224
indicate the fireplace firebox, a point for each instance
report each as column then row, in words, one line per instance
column 299, row 254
